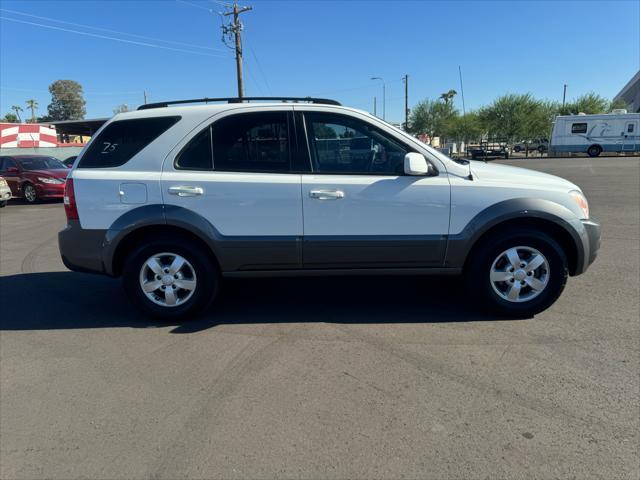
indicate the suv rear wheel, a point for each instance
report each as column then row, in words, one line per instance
column 170, row 278
column 520, row 274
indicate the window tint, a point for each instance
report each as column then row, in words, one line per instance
column 341, row 144
column 41, row 163
column 630, row 128
column 123, row 139
column 579, row 128
column 252, row 142
column 197, row 154
column 7, row 163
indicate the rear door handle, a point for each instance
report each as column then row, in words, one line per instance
column 186, row 191
column 326, row 194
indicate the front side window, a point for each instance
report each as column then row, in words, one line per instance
column 342, row 144
column 630, row 128
column 579, row 128
column 121, row 140
column 252, row 142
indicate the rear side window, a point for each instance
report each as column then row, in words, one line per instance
column 579, row 128
column 123, row 139
column 252, row 142
column 197, row 154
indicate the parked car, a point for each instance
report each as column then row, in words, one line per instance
column 69, row 161
column 5, row 192
column 173, row 198
column 34, row 177
column 541, row 145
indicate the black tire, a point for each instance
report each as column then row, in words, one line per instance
column 594, row 150
column 3, row 204
column 478, row 269
column 517, row 148
column 30, row 193
column 206, row 272
column 542, row 148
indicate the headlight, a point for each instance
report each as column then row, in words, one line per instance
column 3, row 182
column 50, row 180
column 581, row 201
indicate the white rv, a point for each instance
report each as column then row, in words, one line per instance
column 594, row 134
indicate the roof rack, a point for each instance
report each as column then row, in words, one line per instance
column 324, row 101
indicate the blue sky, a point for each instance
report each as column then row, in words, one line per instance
column 320, row 48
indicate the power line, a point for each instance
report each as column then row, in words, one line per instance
column 255, row 57
column 109, row 30
column 105, row 37
column 194, row 5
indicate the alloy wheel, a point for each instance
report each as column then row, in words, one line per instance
column 168, row 279
column 519, row 274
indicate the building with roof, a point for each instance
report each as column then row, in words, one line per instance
column 630, row 93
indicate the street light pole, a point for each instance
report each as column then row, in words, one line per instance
column 384, row 96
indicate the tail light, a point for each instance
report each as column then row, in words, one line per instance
column 70, row 207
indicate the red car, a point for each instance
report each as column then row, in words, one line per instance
column 34, row 177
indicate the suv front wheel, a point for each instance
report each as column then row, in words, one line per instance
column 170, row 279
column 521, row 273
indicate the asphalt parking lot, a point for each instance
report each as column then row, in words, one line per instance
column 347, row 378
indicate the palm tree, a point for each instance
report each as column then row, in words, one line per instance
column 33, row 105
column 17, row 109
column 448, row 96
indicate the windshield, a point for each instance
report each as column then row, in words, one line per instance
column 42, row 163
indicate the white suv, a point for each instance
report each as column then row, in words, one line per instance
column 172, row 198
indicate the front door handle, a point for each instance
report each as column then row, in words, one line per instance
column 186, row 191
column 326, row 194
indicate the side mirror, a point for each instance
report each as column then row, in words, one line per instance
column 12, row 170
column 416, row 164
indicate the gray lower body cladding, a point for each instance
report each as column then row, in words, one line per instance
column 92, row 251
column 81, row 250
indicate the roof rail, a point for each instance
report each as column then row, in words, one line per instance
column 324, row 101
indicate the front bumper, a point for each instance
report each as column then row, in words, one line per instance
column 5, row 194
column 50, row 190
column 81, row 249
column 591, row 243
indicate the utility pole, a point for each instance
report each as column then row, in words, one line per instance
column 406, row 102
column 144, row 92
column 235, row 29
column 384, row 96
column 464, row 110
column 375, row 113
column 564, row 95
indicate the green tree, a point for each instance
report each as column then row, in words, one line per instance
column 618, row 104
column 121, row 109
column 516, row 117
column 10, row 118
column 33, row 106
column 448, row 96
column 67, row 102
column 588, row 103
column 433, row 118
column 467, row 128
column 17, row 109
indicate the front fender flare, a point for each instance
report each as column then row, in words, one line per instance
column 459, row 245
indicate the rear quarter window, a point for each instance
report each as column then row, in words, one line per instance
column 121, row 140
